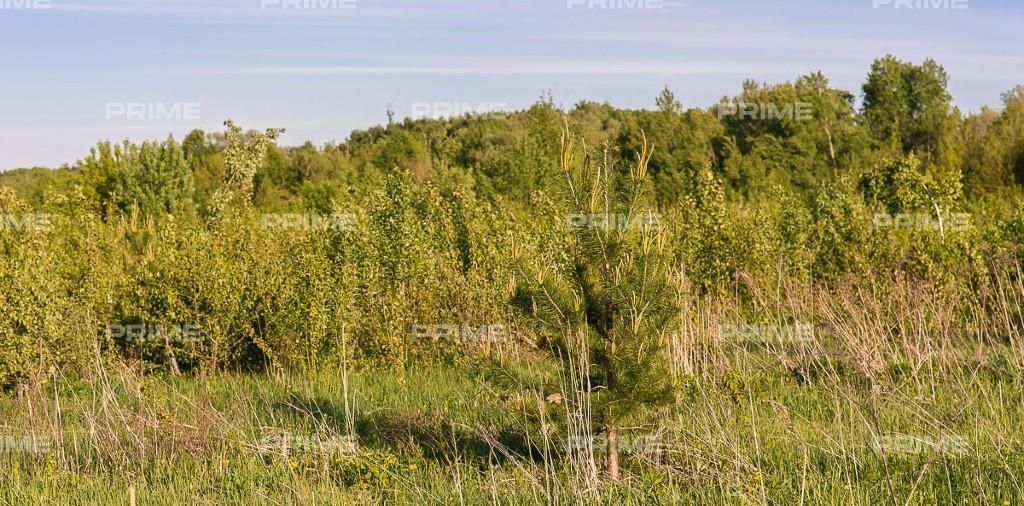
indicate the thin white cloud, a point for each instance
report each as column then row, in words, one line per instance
column 139, row 7
column 243, row 11
column 566, row 68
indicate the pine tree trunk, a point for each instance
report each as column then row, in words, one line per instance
column 613, row 453
column 612, row 384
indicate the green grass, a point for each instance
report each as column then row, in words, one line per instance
column 450, row 434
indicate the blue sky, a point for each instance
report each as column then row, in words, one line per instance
column 323, row 71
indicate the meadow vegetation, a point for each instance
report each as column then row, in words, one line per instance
column 559, row 305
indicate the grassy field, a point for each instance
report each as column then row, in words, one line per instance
column 758, row 431
column 523, row 317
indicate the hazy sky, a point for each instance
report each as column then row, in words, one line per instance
column 321, row 68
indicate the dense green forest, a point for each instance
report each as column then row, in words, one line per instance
column 885, row 220
column 220, row 230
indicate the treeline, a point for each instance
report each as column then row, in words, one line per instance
column 817, row 135
column 284, row 256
